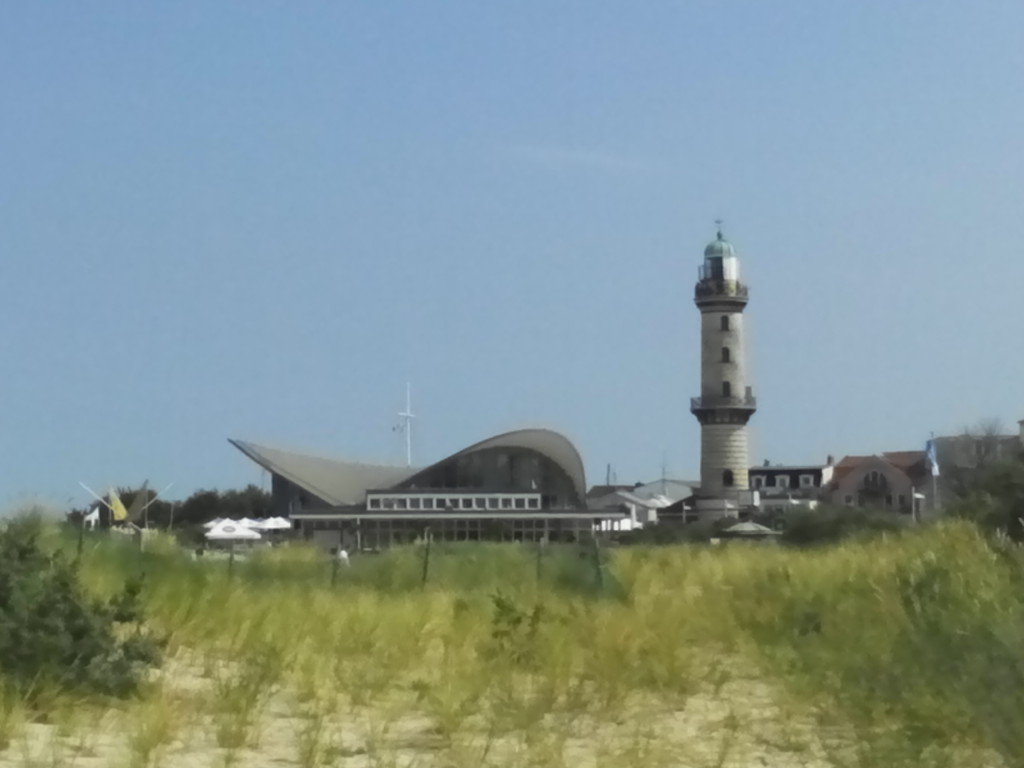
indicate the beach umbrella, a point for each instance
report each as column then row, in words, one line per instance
column 275, row 524
column 230, row 530
column 750, row 529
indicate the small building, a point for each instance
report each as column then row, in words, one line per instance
column 666, row 488
column 637, row 510
column 526, row 485
column 781, row 487
column 897, row 480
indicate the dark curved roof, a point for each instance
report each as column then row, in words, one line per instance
column 546, row 442
column 343, row 483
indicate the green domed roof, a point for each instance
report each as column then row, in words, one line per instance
column 719, row 247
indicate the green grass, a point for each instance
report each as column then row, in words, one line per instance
column 903, row 650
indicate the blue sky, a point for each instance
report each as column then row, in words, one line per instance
column 260, row 219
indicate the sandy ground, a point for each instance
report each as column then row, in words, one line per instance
column 737, row 725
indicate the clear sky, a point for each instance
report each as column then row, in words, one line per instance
column 259, row 219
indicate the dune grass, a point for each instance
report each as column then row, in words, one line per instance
column 903, row 650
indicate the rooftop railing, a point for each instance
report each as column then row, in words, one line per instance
column 726, row 288
column 718, row 401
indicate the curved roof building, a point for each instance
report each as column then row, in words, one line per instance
column 523, row 485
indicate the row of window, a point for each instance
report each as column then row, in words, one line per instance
column 726, row 352
column 781, row 481
column 380, row 534
column 875, row 479
column 901, row 501
column 470, row 503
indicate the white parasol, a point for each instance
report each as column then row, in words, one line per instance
column 230, row 530
column 275, row 524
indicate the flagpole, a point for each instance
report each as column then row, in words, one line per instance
column 933, row 466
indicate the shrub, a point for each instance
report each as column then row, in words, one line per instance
column 995, row 499
column 51, row 635
column 827, row 525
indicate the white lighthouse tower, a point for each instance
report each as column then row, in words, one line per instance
column 726, row 400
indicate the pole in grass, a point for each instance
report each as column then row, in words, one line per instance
column 337, row 559
column 81, row 537
column 540, row 550
column 597, row 559
column 426, row 555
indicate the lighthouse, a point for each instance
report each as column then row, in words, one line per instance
column 726, row 400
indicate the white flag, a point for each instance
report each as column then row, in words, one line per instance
column 933, row 462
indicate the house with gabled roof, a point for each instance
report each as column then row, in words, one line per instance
column 897, row 480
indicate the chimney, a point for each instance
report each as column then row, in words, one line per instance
column 1021, row 423
column 832, row 459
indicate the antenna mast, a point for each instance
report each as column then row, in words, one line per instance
column 407, row 416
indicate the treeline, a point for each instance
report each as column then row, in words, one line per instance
column 994, row 498
column 200, row 507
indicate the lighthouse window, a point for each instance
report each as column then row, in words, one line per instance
column 725, row 322
column 726, row 389
column 727, row 479
column 726, row 355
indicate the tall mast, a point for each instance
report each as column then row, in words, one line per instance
column 407, row 416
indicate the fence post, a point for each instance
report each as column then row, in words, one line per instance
column 337, row 560
column 81, row 536
column 597, row 561
column 426, row 554
column 540, row 552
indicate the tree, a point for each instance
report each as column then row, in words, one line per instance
column 205, row 505
column 251, row 501
column 965, row 458
column 995, row 499
column 199, row 508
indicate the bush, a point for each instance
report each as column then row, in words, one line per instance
column 670, row 533
column 827, row 525
column 995, row 500
column 52, row 636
